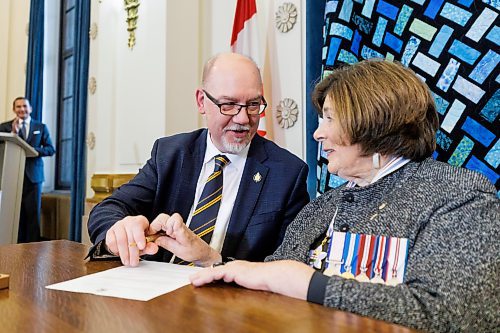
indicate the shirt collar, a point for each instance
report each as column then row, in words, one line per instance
column 27, row 121
column 395, row 163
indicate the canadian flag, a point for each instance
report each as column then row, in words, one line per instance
column 245, row 40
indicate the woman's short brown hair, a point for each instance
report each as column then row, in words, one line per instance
column 382, row 106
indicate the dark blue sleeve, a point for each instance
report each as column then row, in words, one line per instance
column 134, row 198
column 46, row 147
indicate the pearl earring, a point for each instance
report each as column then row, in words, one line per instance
column 376, row 161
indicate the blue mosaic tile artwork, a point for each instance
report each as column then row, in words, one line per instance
column 454, row 46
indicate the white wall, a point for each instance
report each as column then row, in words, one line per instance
column 282, row 69
column 127, row 111
column 14, row 17
column 143, row 93
column 183, row 65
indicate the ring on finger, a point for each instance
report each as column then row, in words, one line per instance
column 132, row 244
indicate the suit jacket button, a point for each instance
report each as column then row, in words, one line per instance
column 344, row 228
column 349, row 197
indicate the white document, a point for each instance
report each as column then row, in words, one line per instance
column 148, row 280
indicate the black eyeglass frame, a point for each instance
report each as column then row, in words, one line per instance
column 241, row 106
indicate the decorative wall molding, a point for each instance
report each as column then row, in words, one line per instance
column 286, row 17
column 287, row 112
column 92, row 85
column 91, row 140
column 93, row 31
column 132, row 8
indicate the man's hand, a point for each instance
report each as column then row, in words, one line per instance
column 126, row 238
column 286, row 277
column 182, row 241
column 15, row 125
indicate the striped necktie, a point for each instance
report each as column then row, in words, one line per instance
column 205, row 213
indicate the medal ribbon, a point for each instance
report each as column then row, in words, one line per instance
column 350, row 253
column 380, row 256
column 396, row 259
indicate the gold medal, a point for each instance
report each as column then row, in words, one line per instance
column 393, row 281
column 361, row 277
column 347, row 275
column 377, row 279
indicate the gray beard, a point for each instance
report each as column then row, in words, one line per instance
column 234, row 148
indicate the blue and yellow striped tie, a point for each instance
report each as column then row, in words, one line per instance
column 205, row 213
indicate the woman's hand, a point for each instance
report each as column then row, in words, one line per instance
column 286, row 277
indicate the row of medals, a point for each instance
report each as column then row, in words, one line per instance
column 333, row 269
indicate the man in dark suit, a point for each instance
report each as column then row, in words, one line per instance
column 36, row 135
column 264, row 186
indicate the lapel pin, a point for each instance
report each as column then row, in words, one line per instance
column 257, row 177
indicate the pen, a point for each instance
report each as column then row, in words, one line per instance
column 152, row 238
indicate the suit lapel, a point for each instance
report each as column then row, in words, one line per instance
column 252, row 181
column 190, row 169
column 30, row 132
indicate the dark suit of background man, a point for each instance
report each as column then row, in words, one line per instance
column 36, row 135
column 264, row 185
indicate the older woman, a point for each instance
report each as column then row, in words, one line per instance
column 408, row 239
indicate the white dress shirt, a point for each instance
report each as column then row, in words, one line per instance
column 27, row 125
column 231, row 177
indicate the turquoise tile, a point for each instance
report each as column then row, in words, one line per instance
column 485, row 66
column 441, row 103
column 410, row 50
column 403, row 17
column 448, row 75
column 464, row 52
column 462, row 151
column 379, row 31
column 441, row 40
column 455, row 14
column 494, row 35
column 368, row 53
column 491, row 110
column 493, row 156
column 347, row 57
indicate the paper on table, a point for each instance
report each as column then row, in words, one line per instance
column 148, row 280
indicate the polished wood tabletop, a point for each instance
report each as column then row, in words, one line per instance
column 27, row 306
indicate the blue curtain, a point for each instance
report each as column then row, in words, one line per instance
column 315, row 11
column 34, row 68
column 79, row 122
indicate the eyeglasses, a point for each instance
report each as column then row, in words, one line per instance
column 232, row 109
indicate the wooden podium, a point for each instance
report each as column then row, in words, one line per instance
column 13, row 153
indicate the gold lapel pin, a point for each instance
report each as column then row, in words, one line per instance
column 257, row 177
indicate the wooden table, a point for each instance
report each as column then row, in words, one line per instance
column 27, row 306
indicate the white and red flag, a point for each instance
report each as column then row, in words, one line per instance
column 245, row 40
